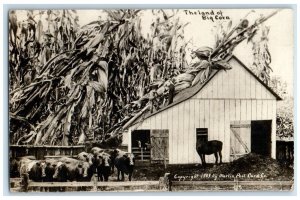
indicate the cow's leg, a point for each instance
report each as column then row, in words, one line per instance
column 112, row 169
column 129, row 176
column 98, row 175
column 101, row 177
column 105, row 177
column 216, row 156
column 119, row 174
column 220, row 155
column 122, row 176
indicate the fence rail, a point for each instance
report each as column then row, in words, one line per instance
column 28, row 185
column 235, row 185
column 164, row 184
column 42, row 152
column 232, row 185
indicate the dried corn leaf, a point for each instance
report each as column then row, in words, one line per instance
column 222, row 64
column 181, row 86
column 185, row 77
column 197, row 78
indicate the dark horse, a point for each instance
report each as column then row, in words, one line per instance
column 208, row 148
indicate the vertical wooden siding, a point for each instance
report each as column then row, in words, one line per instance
column 215, row 115
column 236, row 83
column 230, row 96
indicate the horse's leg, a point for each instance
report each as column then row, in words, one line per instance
column 216, row 156
column 203, row 160
column 220, row 155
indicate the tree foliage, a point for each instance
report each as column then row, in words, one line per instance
column 285, row 109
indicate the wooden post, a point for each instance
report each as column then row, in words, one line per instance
column 165, row 162
column 167, row 182
column 236, row 185
column 95, row 183
column 233, row 151
column 25, row 180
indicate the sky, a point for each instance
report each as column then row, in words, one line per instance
column 281, row 39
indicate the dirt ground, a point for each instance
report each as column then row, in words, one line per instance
column 249, row 167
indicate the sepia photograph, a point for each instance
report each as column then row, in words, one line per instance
column 151, row 100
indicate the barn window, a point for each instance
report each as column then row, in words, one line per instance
column 202, row 134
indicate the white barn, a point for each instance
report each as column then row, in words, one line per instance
column 232, row 106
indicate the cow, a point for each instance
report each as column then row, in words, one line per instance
column 23, row 166
column 208, row 148
column 113, row 154
column 77, row 170
column 48, row 170
column 103, row 166
column 124, row 162
column 61, row 173
column 31, row 167
column 28, row 157
column 96, row 150
column 35, row 171
column 86, row 157
column 83, row 172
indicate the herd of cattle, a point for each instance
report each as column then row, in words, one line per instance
column 98, row 161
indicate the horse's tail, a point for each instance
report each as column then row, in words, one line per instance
column 220, row 145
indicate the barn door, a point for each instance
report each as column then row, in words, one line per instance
column 240, row 139
column 159, row 145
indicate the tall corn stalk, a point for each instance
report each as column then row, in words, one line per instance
column 262, row 57
column 60, row 86
column 71, row 98
column 90, row 87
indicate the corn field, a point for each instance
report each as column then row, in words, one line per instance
column 72, row 84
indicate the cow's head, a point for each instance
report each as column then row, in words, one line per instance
column 83, row 168
column 98, row 159
column 80, row 169
column 106, row 160
column 83, row 156
column 58, row 168
column 131, row 159
column 55, row 175
column 90, row 159
column 116, row 152
column 37, row 171
column 43, row 166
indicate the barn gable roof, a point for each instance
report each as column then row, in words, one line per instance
column 278, row 98
column 192, row 91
